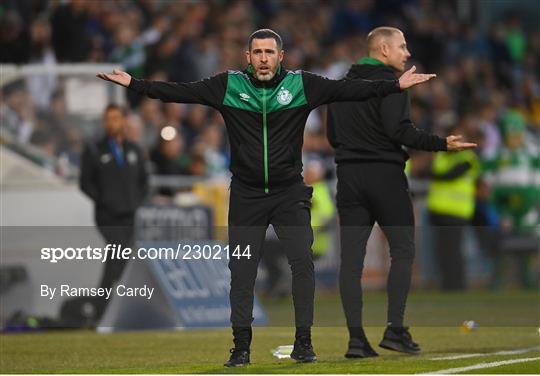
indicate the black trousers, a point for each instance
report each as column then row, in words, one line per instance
column 272, row 259
column 370, row 192
column 250, row 213
column 448, row 231
column 119, row 230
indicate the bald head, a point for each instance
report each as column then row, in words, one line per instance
column 388, row 45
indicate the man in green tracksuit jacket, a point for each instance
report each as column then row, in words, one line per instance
column 265, row 109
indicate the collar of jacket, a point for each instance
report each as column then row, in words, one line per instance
column 370, row 61
column 106, row 139
column 278, row 77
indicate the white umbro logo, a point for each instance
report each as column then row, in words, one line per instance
column 244, row 97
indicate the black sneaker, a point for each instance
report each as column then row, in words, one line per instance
column 360, row 348
column 238, row 358
column 303, row 351
column 399, row 339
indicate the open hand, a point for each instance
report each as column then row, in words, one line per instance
column 409, row 78
column 117, row 76
column 453, row 143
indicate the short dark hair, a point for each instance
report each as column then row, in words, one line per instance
column 114, row 106
column 265, row 34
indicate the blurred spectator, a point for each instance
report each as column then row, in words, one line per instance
column 42, row 86
column 69, row 31
column 531, row 112
column 44, row 141
column 129, row 51
column 500, row 56
column 515, row 192
column 516, row 41
column 173, row 114
column 14, row 39
column 216, row 160
column 135, row 129
column 17, row 112
column 160, row 54
column 450, row 203
column 113, row 175
column 487, row 113
column 198, row 166
column 56, row 122
column 207, row 56
column 41, row 49
column 194, row 123
column 353, row 17
column 153, row 120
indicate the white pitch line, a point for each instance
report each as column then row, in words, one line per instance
column 481, row 366
column 504, row 352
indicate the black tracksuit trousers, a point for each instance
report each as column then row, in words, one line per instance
column 370, row 192
column 116, row 230
column 448, row 232
column 119, row 230
column 251, row 211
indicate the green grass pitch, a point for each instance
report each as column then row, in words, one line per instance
column 507, row 321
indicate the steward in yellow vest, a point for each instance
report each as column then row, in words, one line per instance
column 451, row 204
column 452, row 191
column 322, row 209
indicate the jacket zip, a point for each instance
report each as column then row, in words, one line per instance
column 265, row 143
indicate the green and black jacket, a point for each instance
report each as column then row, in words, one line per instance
column 265, row 120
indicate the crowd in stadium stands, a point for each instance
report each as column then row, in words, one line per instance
column 488, row 80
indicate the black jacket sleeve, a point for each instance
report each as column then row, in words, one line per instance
column 209, row 91
column 88, row 173
column 320, row 90
column 399, row 127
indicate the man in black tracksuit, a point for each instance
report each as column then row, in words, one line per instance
column 113, row 175
column 372, row 187
column 265, row 109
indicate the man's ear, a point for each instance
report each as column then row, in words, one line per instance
column 384, row 49
column 281, row 54
column 248, row 57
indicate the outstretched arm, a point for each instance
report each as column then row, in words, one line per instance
column 409, row 79
column 209, row 91
column 320, row 90
column 397, row 125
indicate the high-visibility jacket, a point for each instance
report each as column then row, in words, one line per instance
column 322, row 213
column 455, row 197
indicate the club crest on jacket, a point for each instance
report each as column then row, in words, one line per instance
column 284, row 96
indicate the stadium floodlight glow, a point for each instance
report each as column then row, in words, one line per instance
column 168, row 133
